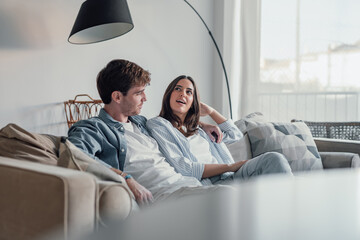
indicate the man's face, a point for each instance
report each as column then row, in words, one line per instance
column 131, row 104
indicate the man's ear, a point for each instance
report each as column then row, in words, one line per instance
column 116, row 96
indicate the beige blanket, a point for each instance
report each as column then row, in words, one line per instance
column 17, row 143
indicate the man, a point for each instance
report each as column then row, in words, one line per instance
column 118, row 137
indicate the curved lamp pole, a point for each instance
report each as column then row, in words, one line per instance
column 100, row 20
column 218, row 51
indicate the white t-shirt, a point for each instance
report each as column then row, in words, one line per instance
column 201, row 149
column 147, row 165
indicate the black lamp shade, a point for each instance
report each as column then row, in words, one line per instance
column 100, row 20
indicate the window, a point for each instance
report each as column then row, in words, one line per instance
column 310, row 60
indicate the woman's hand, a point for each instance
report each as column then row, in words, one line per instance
column 211, row 169
column 234, row 167
column 205, row 110
column 212, row 129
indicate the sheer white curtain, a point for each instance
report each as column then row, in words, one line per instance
column 242, row 53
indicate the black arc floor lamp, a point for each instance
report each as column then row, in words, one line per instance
column 218, row 51
column 100, row 20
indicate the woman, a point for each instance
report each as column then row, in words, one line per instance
column 191, row 151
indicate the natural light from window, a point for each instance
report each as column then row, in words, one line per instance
column 310, row 60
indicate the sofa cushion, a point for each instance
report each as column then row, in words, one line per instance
column 255, row 116
column 72, row 157
column 240, row 150
column 293, row 140
column 16, row 142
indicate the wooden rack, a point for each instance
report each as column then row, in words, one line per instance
column 76, row 110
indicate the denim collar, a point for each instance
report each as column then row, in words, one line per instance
column 104, row 116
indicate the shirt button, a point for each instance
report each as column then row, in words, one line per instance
column 121, row 128
column 122, row 150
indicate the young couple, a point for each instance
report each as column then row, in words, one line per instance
column 169, row 155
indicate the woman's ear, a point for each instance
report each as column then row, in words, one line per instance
column 116, row 96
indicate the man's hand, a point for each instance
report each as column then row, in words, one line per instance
column 142, row 195
column 210, row 129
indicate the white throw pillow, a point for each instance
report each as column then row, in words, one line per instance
column 240, row 150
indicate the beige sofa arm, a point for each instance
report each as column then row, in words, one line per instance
column 115, row 201
column 38, row 198
column 337, row 145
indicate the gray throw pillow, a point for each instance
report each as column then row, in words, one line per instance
column 293, row 140
column 255, row 116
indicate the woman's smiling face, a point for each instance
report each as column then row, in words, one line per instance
column 182, row 98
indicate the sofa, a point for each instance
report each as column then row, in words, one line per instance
column 294, row 140
column 47, row 185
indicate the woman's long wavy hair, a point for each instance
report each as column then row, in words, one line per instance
column 192, row 118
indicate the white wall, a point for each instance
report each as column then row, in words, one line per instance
column 39, row 69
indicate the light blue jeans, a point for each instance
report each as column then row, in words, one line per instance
column 267, row 163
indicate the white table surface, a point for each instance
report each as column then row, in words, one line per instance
column 322, row 205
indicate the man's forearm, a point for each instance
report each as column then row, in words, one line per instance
column 118, row 171
column 142, row 195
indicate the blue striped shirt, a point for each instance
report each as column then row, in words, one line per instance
column 176, row 149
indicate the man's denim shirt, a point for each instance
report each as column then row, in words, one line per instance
column 103, row 139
